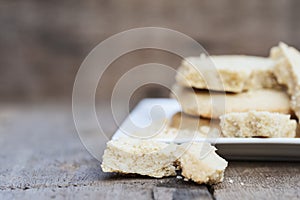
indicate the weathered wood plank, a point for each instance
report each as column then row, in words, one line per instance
column 260, row 180
column 179, row 189
column 115, row 191
column 41, row 156
column 170, row 193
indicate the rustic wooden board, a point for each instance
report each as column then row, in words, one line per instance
column 41, row 156
column 260, row 180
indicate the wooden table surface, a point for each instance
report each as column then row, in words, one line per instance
column 42, row 157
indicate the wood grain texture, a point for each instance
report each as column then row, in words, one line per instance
column 169, row 193
column 41, row 156
column 260, row 180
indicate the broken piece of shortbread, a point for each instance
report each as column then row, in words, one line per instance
column 257, row 124
column 201, row 164
column 145, row 157
column 231, row 73
column 287, row 71
column 198, row 161
column 213, row 104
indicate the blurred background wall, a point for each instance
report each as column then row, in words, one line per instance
column 42, row 43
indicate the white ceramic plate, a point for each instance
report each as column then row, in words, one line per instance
column 229, row 148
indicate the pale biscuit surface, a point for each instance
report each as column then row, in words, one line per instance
column 213, row 104
column 201, row 164
column 231, row 73
column 143, row 157
column 198, row 161
column 287, row 71
column 258, row 124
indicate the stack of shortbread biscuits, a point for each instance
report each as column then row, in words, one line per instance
column 251, row 96
column 243, row 96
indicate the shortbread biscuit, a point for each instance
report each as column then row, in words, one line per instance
column 200, row 103
column 145, row 157
column 287, row 71
column 201, row 164
column 258, row 124
column 231, row 73
column 197, row 161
